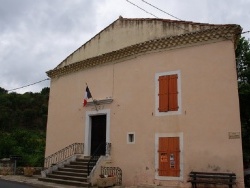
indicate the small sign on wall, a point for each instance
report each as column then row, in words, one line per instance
column 234, row 135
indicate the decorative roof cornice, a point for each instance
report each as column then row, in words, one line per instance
column 224, row 32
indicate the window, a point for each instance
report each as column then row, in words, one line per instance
column 131, row 138
column 167, row 93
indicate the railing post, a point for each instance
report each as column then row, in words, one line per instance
column 108, row 149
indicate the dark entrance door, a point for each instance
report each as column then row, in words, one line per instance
column 98, row 134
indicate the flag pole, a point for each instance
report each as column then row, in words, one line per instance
column 92, row 99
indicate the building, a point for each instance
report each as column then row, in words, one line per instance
column 165, row 100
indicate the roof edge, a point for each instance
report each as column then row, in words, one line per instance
column 225, row 32
column 89, row 40
column 141, row 19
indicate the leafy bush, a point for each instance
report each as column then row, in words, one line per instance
column 23, row 119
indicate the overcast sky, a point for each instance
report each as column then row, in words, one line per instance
column 36, row 35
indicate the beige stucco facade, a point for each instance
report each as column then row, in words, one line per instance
column 207, row 117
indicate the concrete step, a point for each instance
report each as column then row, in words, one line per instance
column 75, row 166
column 63, row 177
column 85, row 159
column 82, row 163
column 66, row 173
column 79, row 163
column 65, row 182
column 74, row 173
column 78, row 166
column 82, row 160
column 73, row 170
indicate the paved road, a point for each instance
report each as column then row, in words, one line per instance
column 10, row 184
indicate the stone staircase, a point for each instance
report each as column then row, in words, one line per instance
column 74, row 174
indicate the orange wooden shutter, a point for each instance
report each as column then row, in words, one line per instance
column 169, row 156
column 163, row 165
column 173, row 93
column 163, row 93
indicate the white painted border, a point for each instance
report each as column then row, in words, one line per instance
column 157, row 75
column 128, row 138
column 157, row 136
column 87, row 142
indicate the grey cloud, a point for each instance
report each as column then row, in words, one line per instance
column 36, row 35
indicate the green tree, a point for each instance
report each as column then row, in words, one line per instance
column 23, row 119
column 3, row 91
column 242, row 54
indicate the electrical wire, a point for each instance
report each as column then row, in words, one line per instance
column 161, row 10
column 155, row 15
column 165, row 13
column 28, row 85
column 245, row 32
column 142, row 9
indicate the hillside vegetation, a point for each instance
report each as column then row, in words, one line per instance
column 23, row 119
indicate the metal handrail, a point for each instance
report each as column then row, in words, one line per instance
column 94, row 157
column 61, row 155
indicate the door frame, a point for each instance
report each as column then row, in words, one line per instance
column 88, row 126
column 157, row 136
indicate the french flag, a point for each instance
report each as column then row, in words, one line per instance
column 87, row 96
